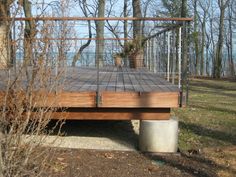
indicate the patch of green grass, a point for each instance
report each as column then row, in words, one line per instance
column 210, row 118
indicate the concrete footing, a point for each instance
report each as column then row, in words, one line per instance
column 158, row 136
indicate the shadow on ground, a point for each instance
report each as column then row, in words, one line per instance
column 215, row 108
column 206, row 132
column 213, row 86
column 117, row 131
column 193, row 165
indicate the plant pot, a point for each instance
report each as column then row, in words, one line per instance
column 136, row 60
column 118, row 61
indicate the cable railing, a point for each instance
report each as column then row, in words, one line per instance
column 65, row 46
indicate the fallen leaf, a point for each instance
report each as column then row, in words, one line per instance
column 60, row 158
column 109, row 155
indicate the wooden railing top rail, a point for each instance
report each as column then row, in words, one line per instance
column 97, row 19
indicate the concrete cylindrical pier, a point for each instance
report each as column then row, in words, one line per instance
column 158, row 135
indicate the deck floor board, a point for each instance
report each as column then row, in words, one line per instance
column 111, row 86
column 115, row 79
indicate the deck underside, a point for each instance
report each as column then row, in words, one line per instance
column 113, row 94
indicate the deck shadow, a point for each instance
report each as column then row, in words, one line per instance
column 121, row 132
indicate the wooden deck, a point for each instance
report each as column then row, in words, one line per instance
column 117, row 94
column 117, row 88
column 116, row 80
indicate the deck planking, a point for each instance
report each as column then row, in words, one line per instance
column 115, row 79
column 124, row 94
column 118, row 80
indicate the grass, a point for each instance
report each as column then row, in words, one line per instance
column 210, row 118
column 209, row 122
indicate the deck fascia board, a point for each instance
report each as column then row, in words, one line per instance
column 113, row 114
column 109, row 99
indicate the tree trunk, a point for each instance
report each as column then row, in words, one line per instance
column 207, row 60
column 100, row 34
column 76, row 57
column 218, row 62
column 213, row 45
column 28, row 33
column 137, row 59
column 185, row 41
column 195, row 38
column 231, row 60
column 125, row 9
column 5, row 48
column 137, row 30
column 203, row 45
column 208, row 43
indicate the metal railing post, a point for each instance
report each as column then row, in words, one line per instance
column 179, row 57
column 180, row 68
column 168, row 56
column 154, row 55
column 98, row 89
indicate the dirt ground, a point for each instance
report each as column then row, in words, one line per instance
column 97, row 162
column 93, row 163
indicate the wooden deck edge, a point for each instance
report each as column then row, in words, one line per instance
column 108, row 100
column 57, row 99
column 112, row 114
column 140, row 100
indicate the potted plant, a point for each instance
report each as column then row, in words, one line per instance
column 134, row 51
column 118, row 59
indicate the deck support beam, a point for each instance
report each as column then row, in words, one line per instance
column 113, row 114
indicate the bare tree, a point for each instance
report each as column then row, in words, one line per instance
column 137, row 57
column 218, row 62
column 208, row 43
column 196, row 36
column 205, row 7
column 29, row 32
column 5, row 39
column 27, row 104
column 137, row 30
column 125, row 9
column 229, row 39
column 213, row 29
column 184, row 12
column 84, row 7
column 100, row 33
column 114, row 28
